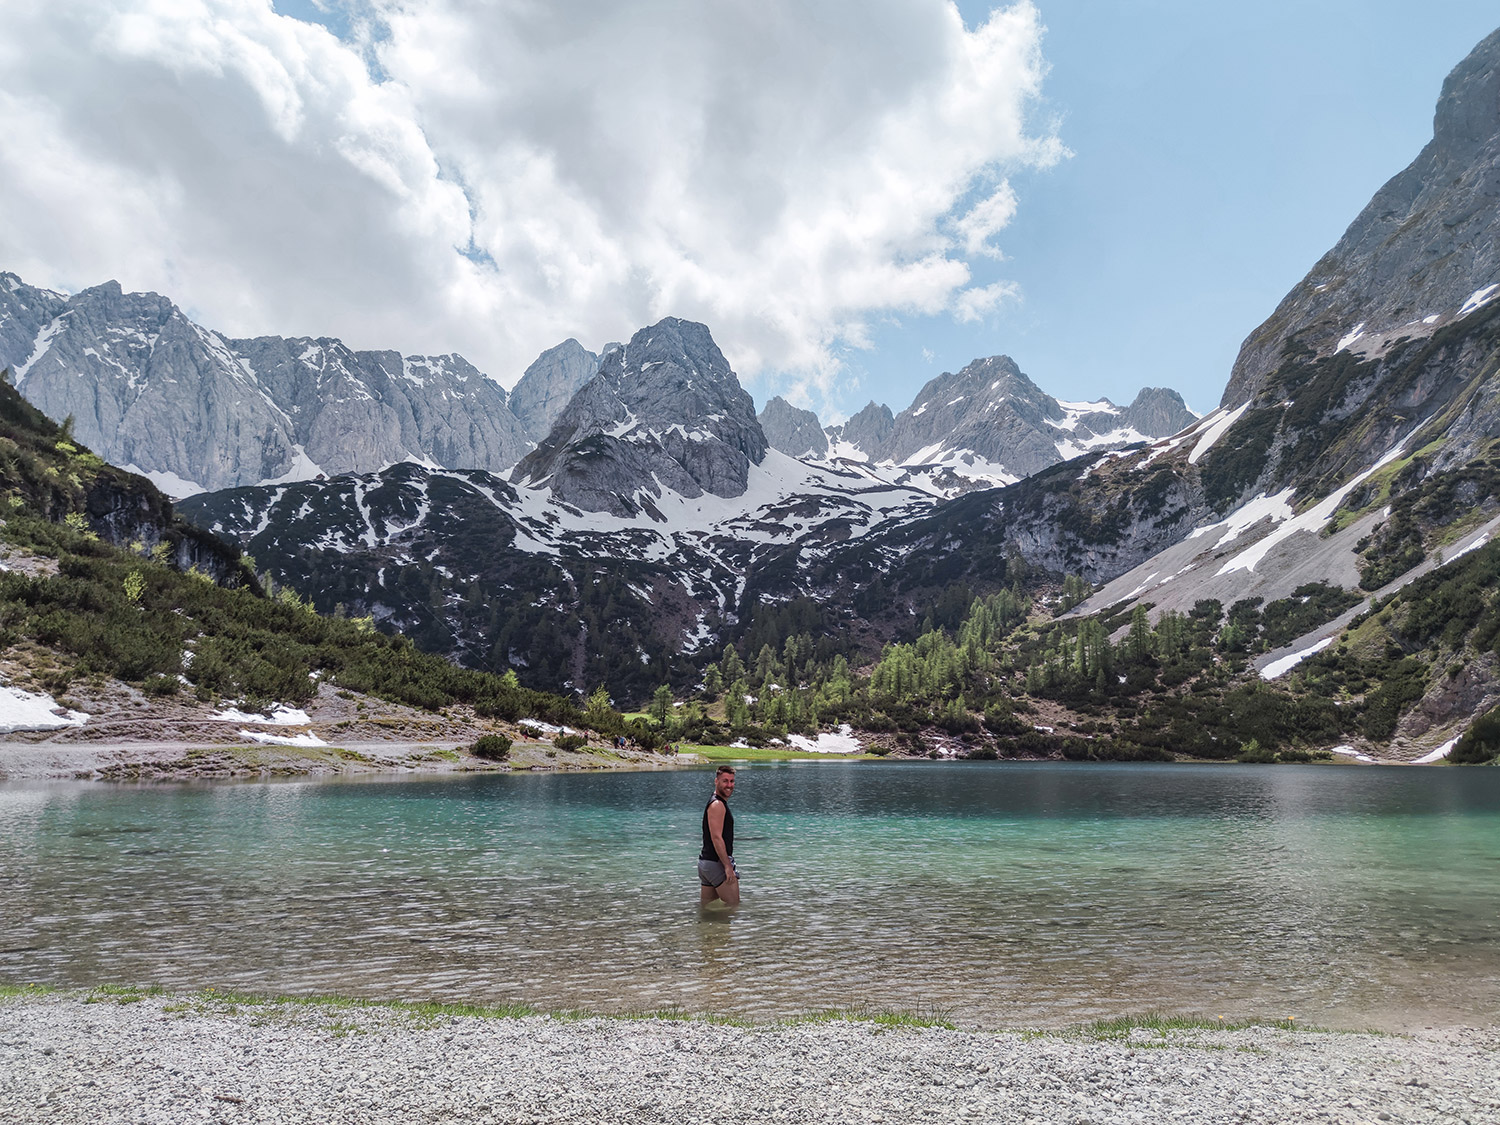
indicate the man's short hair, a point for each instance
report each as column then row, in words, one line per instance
column 723, row 769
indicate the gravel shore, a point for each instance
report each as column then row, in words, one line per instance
column 74, row 1058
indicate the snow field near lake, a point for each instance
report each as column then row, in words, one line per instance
column 1440, row 753
column 840, row 742
column 24, row 710
column 308, row 739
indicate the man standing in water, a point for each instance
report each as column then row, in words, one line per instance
column 716, row 870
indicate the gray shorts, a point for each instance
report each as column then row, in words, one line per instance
column 711, row 871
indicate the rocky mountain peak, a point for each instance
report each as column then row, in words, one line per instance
column 1423, row 253
column 864, row 432
column 795, row 432
column 1157, row 412
column 553, row 378
column 990, row 408
column 664, row 411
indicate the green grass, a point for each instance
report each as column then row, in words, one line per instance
column 1154, row 1023
column 217, row 1001
column 880, row 1017
column 766, row 754
column 8, row 990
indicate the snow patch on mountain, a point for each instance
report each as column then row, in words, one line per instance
column 39, row 348
column 1311, row 521
column 1276, row 508
column 1126, row 436
column 171, row 484
column 1478, row 299
column 1214, row 426
column 1284, row 665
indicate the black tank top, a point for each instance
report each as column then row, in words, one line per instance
column 708, row 851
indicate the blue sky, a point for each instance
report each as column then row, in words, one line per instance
column 854, row 195
column 1218, row 151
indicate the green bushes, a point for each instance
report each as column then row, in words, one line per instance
column 1481, row 742
column 570, row 742
column 491, row 747
column 136, row 619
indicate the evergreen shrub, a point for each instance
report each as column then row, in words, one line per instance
column 491, row 747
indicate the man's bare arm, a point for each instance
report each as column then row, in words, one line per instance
column 716, row 834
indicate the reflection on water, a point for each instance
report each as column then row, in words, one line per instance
column 1002, row 894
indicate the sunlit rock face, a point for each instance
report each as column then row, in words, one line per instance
column 550, row 383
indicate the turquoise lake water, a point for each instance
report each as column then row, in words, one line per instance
column 998, row 894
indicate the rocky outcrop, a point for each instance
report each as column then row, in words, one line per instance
column 664, row 412
column 866, row 431
column 153, row 391
column 548, row 385
column 795, row 432
column 1424, row 252
column 1157, row 412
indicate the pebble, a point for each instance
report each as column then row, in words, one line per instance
column 160, row 1060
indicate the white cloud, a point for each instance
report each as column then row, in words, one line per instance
column 975, row 304
column 493, row 178
column 986, row 219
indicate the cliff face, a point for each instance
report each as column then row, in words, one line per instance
column 548, row 385
column 795, row 432
column 1424, row 251
column 150, row 389
column 866, row 431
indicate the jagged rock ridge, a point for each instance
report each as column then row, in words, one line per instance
column 153, row 391
column 664, row 412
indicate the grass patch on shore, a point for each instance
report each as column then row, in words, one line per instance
column 767, row 754
column 9, row 990
column 1161, row 1026
column 1152, row 1030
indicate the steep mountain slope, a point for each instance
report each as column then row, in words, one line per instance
column 1424, row 251
column 196, row 410
column 1293, row 475
column 46, row 474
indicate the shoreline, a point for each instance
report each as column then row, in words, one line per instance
column 127, row 1055
column 205, row 760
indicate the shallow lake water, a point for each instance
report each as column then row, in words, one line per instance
column 997, row 894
